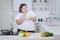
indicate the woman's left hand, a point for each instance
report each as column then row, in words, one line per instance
column 34, row 19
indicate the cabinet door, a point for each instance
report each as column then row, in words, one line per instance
column 57, row 8
column 52, row 7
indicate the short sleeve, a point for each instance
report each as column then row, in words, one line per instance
column 18, row 16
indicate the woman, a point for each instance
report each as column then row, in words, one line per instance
column 25, row 19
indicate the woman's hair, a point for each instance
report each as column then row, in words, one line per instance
column 21, row 7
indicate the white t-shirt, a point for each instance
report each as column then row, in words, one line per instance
column 28, row 23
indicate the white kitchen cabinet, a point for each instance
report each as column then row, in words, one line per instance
column 57, row 8
column 54, row 6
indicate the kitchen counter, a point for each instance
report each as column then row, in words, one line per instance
column 51, row 27
column 16, row 37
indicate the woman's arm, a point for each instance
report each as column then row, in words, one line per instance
column 21, row 20
column 34, row 19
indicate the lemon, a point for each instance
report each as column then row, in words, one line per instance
column 26, row 34
column 42, row 35
column 30, row 16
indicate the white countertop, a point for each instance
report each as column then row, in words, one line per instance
column 32, row 37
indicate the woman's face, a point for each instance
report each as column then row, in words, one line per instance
column 24, row 9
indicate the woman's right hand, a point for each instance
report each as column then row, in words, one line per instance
column 21, row 20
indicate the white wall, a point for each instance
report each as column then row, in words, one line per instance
column 17, row 3
column 6, row 14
